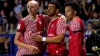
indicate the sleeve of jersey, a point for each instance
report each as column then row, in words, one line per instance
column 75, row 26
column 61, row 27
column 21, row 26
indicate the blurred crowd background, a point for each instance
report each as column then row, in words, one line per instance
column 11, row 11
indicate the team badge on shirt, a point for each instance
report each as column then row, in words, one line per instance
column 19, row 25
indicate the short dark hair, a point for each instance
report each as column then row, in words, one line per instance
column 96, row 27
column 57, row 4
column 73, row 5
column 90, row 22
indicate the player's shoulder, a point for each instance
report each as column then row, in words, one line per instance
column 44, row 16
column 79, row 19
column 61, row 20
column 24, row 18
column 22, row 21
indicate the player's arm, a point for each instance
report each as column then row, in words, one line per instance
column 21, row 44
column 56, row 39
column 61, row 29
column 19, row 33
column 20, row 29
column 75, row 26
column 18, row 42
column 46, row 20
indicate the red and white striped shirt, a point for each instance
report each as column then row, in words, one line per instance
column 55, row 28
column 26, row 25
column 61, row 27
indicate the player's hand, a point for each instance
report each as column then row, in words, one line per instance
column 32, row 34
column 37, row 38
column 33, row 49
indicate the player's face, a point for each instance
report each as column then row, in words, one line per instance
column 32, row 8
column 69, row 12
column 51, row 9
column 89, row 26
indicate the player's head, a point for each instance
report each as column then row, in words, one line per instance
column 71, row 10
column 90, row 25
column 32, row 7
column 53, row 8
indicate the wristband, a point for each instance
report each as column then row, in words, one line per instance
column 44, row 39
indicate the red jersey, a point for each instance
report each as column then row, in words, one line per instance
column 26, row 25
column 55, row 28
column 76, row 30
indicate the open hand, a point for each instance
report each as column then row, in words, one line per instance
column 32, row 34
column 33, row 49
